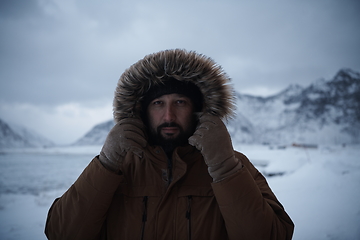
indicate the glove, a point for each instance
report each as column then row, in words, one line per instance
column 213, row 140
column 127, row 135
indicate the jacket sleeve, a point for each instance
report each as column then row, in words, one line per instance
column 249, row 207
column 81, row 211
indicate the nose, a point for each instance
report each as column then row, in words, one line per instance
column 169, row 114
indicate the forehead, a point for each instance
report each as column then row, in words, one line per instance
column 172, row 96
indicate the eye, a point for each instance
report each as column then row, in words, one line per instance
column 181, row 102
column 157, row 102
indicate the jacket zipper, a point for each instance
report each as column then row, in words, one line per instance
column 144, row 217
column 188, row 216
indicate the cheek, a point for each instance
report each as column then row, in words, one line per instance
column 150, row 120
column 153, row 119
column 188, row 120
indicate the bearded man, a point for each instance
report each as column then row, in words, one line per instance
column 168, row 169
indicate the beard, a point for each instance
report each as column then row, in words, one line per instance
column 169, row 142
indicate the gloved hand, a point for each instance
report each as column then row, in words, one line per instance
column 213, row 140
column 127, row 135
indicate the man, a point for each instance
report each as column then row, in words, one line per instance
column 167, row 169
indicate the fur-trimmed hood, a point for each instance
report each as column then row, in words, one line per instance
column 182, row 65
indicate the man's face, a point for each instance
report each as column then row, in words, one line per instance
column 171, row 118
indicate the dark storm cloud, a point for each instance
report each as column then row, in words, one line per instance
column 18, row 9
column 64, row 51
column 59, row 51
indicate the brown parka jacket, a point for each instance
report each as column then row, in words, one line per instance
column 142, row 203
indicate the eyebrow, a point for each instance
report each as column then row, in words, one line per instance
column 178, row 95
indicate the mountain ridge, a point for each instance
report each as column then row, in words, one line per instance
column 15, row 136
column 321, row 113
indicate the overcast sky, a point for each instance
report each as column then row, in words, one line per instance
column 60, row 59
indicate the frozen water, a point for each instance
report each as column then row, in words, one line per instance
column 33, row 173
column 29, row 183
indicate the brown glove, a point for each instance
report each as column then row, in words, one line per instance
column 127, row 135
column 212, row 139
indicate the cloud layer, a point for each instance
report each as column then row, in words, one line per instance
column 58, row 53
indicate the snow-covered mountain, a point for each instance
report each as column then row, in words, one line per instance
column 14, row 136
column 326, row 112
column 97, row 135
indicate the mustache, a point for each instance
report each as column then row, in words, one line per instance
column 168, row 124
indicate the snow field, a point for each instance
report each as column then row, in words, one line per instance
column 320, row 189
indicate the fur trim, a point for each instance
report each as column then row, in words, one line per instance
column 179, row 64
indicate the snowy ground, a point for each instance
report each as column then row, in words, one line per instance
column 319, row 188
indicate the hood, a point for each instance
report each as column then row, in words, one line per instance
column 182, row 65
